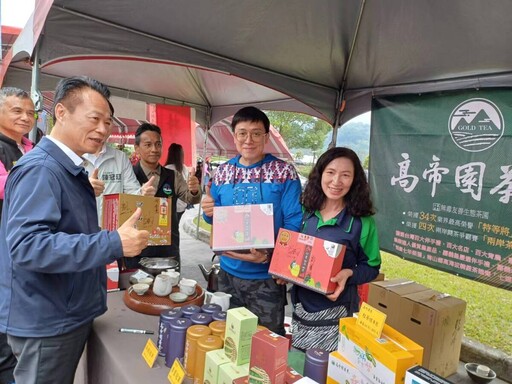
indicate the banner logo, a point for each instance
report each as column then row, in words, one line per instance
column 476, row 125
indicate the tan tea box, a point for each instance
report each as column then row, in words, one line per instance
column 229, row 372
column 434, row 320
column 213, row 361
column 386, row 296
column 241, row 324
column 269, row 355
column 156, row 215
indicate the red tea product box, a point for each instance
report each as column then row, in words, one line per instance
column 269, row 356
column 306, row 260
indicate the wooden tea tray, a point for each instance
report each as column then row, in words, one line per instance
column 151, row 304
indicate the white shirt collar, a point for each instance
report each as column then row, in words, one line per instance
column 77, row 160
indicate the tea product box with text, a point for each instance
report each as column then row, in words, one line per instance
column 306, row 260
column 213, row 360
column 155, row 218
column 382, row 360
column 269, row 356
column 242, row 227
column 229, row 372
column 341, row 371
column 240, row 326
column 421, row 375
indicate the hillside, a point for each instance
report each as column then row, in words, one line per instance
column 355, row 136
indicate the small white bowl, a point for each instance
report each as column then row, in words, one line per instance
column 140, row 288
column 178, row 297
column 146, row 280
column 187, row 286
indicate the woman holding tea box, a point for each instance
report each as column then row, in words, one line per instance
column 337, row 207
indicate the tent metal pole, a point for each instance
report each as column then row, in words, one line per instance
column 35, row 94
column 206, row 133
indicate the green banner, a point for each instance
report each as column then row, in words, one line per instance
column 441, row 179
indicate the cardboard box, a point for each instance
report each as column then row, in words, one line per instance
column 269, row 355
column 421, row 375
column 242, row 227
column 306, row 260
column 156, row 215
column 430, row 318
column 386, row 296
column 435, row 321
column 213, row 361
column 364, row 289
column 230, row 372
column 341, row 371
column 291, row 375
column 240, row 326
column 382, row 360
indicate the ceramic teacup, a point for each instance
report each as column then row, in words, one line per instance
column 140, row 288
column 162, row 285
column 175, row 277
column 187, row 286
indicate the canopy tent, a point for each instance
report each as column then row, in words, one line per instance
column 220, row 140
column 323, row 58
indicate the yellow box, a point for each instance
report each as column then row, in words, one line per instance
column 156, row 215
column 341, row 371
column 383, row 360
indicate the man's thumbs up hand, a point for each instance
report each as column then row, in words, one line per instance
column 133, row 240
column 97, row 184
column 148, row 189
column 193, row 182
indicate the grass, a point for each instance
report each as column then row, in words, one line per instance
column 489, row 309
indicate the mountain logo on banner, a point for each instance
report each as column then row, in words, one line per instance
column 476, row 125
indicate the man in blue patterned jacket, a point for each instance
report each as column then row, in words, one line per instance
column 254, row 177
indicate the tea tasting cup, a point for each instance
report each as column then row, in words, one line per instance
column 140, row 288
column 187, row 286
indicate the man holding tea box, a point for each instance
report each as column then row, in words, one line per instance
column 254, row 177
column 52, row 252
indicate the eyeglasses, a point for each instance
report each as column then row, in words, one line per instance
column 257, row 137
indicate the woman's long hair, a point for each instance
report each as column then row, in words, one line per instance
column 175, row 156
column 357, row 200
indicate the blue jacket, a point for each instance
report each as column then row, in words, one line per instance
column 52, row 252
column 268, row 181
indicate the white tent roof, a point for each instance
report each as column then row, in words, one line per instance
column 297, row 55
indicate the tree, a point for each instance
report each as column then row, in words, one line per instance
column 366, row 162
column 299, row 130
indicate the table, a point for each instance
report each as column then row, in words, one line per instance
column 114, row 357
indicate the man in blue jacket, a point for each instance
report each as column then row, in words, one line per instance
column 52, row 252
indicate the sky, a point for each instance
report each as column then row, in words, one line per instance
column 15, row 13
